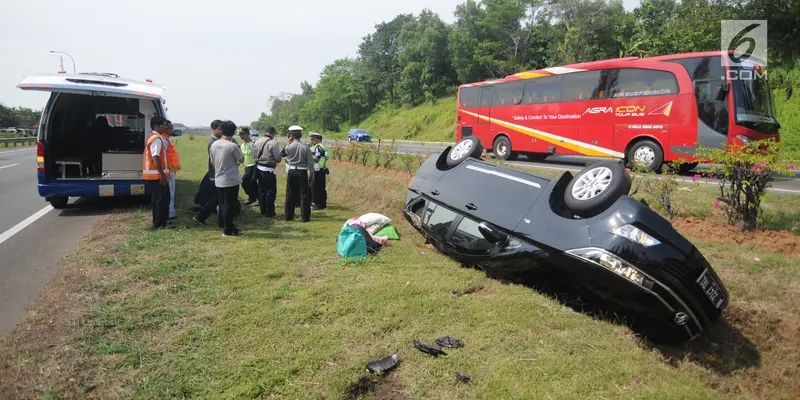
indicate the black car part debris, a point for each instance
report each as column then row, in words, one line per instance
column 432, row 350
column 384, row 364
column 449, row 341
column 463, row 377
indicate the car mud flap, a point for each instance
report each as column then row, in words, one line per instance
column 432, row 350
column 384, row 364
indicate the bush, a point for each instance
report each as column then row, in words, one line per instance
column 745, row 173
column 660, row 187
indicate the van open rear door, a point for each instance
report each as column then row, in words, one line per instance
column 92, row 85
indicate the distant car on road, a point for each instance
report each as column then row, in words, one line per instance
column 254, row 133
column 358, row 135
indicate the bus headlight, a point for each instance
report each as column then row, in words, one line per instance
column 612, row 263
column 635, row 235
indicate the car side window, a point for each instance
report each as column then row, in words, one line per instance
column 468, row 237
column 438, row 220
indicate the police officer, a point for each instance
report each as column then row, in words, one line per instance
column 249, row 183
column 319, row 195
column 298, row 160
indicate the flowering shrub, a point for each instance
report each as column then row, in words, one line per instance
column 661, row 187
column 745, row 173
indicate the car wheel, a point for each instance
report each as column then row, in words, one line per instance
column 646, row 154
column 502, row 148
column 466, row 148
column 58, row 202
column 596, row 188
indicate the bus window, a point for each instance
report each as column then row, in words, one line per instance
column 582, row 86
column 542, row 90
column 486, row 96
column 508, row 93
column 631, row 82
column 469, row 97
column 708, row 74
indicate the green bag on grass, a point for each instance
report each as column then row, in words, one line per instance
column 351, row 244
column 390, row 231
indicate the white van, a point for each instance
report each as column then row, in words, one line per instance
column 92, row 134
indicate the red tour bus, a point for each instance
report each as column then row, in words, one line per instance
column 647, row 110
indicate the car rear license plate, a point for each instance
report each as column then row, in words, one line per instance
column 711, row 289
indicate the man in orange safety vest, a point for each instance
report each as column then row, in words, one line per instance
column 155, row 170
column 174, row 166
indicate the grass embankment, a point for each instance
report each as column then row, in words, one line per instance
column 187, row 313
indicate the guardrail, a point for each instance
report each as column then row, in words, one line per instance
column 23, row 141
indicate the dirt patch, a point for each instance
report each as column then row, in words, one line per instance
column 384, row 387
column 780, row 242
column 39, row 357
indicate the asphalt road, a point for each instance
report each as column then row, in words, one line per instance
column 33, row 236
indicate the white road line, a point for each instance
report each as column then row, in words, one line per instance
column 15, row 151
column 24, row 224
column 8, row 166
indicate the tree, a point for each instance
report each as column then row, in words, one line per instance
column 379, row 52
column 426, row 72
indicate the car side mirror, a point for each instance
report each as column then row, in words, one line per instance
column 490, row 234
column 722, row 91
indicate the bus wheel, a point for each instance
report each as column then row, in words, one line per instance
column 58, row 202
column 502, row 148
column 646, row 154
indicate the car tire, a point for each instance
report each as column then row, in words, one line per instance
column 501, row 149
column 468, row 147
column 647, row 153
column 597, row 187
column 58, row 202
column 685, row 168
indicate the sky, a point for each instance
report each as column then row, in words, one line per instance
column 216, row 59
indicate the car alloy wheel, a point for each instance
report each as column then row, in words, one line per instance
column 591, row 184
column 461, row 150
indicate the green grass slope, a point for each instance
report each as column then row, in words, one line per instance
column 428, row 122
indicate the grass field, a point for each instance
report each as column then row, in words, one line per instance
column 189, row 314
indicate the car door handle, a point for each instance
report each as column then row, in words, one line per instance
column 471, row 206
column 435, row 192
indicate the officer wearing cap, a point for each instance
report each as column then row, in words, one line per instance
column 298, row 161
column 319, row 195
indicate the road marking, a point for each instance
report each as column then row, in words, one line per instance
column 24, row 224
column 15, row 151
column 8, row 166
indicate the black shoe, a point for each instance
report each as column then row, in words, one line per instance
column 269, row 215
column 249, row 202
column 317, row 208
column 232, row 234
column 198, row 221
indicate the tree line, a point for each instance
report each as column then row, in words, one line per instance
column 419, row 58
column 18, row 117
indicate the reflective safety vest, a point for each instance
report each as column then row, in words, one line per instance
column 321, row 154
column 172, row 156
column 247, row 150
column 149, row 171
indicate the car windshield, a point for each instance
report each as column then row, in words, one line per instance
column 755, row 107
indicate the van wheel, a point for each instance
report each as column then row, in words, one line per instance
column 685, row 168
column 646, row 154
column 596, row 188
column 58, row 202
column 468, row 147
column 502, row 148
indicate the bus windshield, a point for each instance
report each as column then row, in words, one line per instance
column 755, row 107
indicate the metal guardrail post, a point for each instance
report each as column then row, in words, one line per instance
column 15, row 141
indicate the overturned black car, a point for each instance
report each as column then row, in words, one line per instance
column 585, row 227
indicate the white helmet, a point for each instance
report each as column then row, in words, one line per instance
column 295, row 128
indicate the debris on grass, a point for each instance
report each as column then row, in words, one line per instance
column 361, row 387
column 384, row 364
column 432, row 350
column 449, row 341
column 463, row 377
